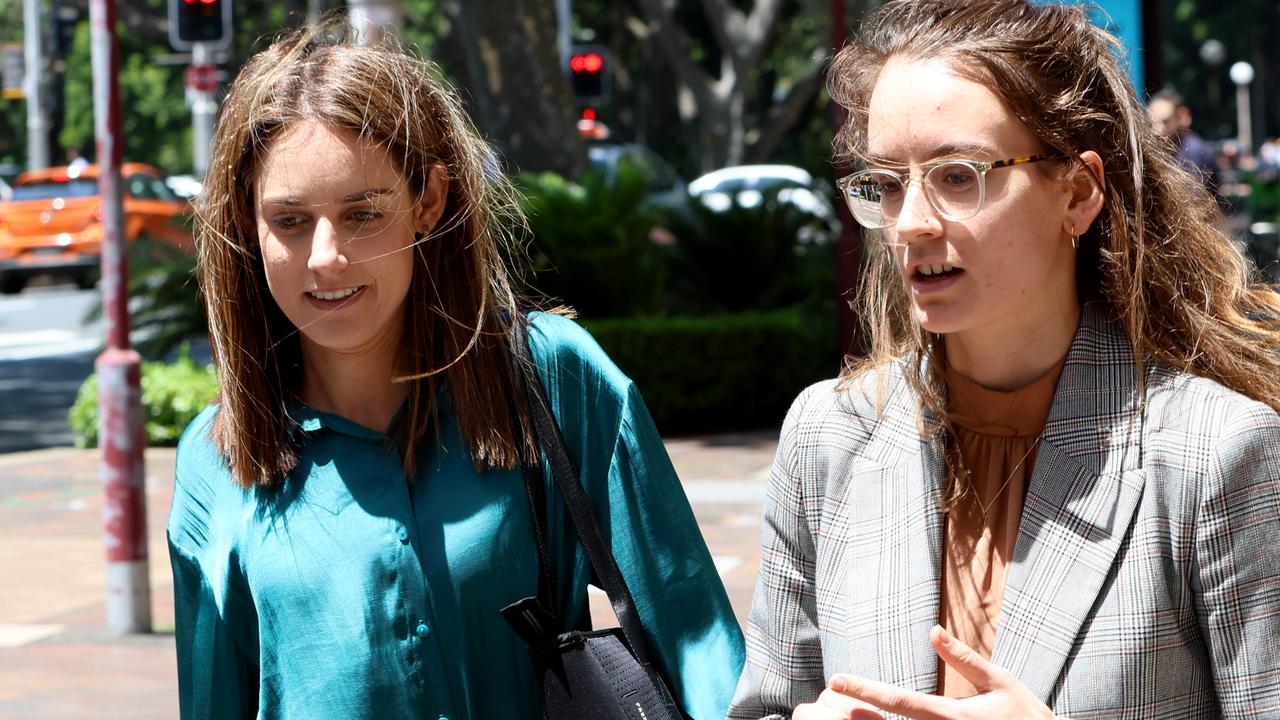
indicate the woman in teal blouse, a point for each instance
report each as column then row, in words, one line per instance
column 350, row 517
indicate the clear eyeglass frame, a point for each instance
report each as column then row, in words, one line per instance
column 869, row 215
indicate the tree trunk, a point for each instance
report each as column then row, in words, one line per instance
column 510, row 71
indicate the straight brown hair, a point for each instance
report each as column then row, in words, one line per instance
column 461, row 300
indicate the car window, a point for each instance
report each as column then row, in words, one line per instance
column 139, row 186
column 160, row 190
column 46, row 189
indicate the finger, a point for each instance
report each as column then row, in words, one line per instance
column 816, row 711
column 848, row 707
column 979, row 671
column 907, row 703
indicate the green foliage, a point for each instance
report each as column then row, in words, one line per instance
column 750, row 257
column 156, row 120
column 1263, row 201
column 731, row 372
column 172, row 395
column 165, row 309
column 592, row 245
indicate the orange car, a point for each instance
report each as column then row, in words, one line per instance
column 53, row 223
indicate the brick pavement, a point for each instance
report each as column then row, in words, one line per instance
column 57, row 661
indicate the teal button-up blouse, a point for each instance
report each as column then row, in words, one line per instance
column 351, row 593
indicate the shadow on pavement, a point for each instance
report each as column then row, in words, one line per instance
column 35, row 396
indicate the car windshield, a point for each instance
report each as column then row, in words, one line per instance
column 43, row 190
column 733, row 185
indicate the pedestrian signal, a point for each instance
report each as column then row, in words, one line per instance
column 199, row 21
column 589, row 73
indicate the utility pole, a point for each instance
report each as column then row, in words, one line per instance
column 315, row 11
column 375, row 20
column 564, row 17
column 120, row 422
column 202, row 83
column 37, row 119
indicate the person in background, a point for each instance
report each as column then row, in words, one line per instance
column 350, row 517
column 1171, row 118
column 1052, row 488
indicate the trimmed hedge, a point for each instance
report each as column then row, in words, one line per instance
column 697, row 374
column 714, row 374
column 172, row 395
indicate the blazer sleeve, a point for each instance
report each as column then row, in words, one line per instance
column 662, row 555
column 784, row 653
column 1236, row 578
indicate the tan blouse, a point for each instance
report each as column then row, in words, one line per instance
column 999, row 434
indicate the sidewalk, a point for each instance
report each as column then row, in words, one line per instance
column 58, row 662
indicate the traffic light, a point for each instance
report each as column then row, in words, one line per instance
column 589, row 74
column 199, row 21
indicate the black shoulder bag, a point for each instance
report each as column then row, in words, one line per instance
column 581, row 674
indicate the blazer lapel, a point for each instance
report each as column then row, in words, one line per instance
column 894, row 564
column 1081, row 498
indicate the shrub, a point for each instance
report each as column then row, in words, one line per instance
column 732, row 372
column 172, row 395
column 165, row 306
column 591, row 246
column 756, row 257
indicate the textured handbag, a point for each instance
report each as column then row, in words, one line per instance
column 581, row 674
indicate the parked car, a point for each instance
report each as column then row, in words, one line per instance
column 747, row 185
column 53, row 222
column 666, row 187
column 186, row 187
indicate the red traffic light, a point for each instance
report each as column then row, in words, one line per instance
column 586, row 63
column 199, row 21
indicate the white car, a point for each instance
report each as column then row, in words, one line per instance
column 184, row 186
column 748, row 183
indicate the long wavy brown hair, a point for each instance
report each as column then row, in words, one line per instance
column 460, row 300
column 1183, row 291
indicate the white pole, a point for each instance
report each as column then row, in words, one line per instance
column 37, row 121
column 563, row 20
column 204, row 113
column 1242, row 74
column 374, row 20
column 1244, row 119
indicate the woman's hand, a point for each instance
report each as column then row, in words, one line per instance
column 1000, row 695
column 832, row 705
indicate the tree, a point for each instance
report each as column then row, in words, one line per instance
column 504, row 54
column 719, row 85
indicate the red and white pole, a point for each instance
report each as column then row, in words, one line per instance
column 120, row 420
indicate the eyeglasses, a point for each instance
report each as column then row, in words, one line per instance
column 955, row 189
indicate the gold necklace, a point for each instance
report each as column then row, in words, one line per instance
column 977, row 501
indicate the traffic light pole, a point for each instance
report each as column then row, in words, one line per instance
column 204, row 113
column 120, row 421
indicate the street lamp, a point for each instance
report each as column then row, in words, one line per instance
column 1242, row 74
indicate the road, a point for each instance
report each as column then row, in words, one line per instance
column 46, row 351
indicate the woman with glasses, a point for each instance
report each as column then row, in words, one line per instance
column 351, row 519
column 1052, row 486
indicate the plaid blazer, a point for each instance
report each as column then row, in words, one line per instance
column 1145, row 581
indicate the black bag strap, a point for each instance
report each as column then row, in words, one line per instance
column 575, row 498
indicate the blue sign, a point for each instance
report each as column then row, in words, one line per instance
column 1122, row 18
